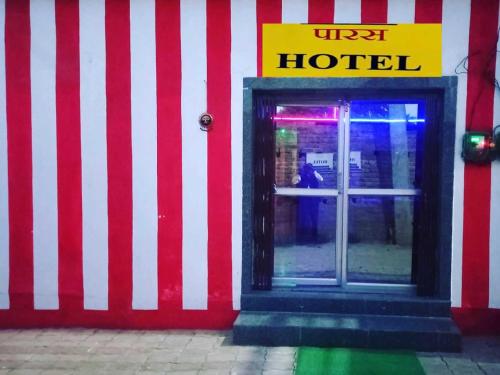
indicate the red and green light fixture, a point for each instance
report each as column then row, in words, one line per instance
column 479, row 147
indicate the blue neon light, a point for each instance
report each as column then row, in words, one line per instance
column 416, row 120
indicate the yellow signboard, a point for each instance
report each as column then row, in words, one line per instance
column 351, row 50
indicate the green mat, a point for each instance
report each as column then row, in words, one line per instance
column 340, row 361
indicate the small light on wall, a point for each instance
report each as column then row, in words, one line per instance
column 205, row 121
column 478, row 147
column 496, row 140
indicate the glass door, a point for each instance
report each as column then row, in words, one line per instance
column 346, row 193
column 380, row 207
column 307, row 213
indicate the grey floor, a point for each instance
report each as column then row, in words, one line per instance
column 367, row 262
column 92, row 351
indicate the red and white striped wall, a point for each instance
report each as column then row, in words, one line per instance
column 116, row 210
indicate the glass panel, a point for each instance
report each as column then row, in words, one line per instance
column 306, row 146
column 381, row 241
column 385, row 140
column 304, row 236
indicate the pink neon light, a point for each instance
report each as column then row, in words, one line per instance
column 284, row 118
column 334, row 118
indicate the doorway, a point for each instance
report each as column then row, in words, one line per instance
column 377, row 241
column 347, row 184
column 395, row 140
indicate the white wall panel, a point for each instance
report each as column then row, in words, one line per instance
column 44, row 154
column 194, row 156
column 347, row 11
column 144, row 160
column 401, row 11
column 294, row 11
column 243, row 64
column 4, row 183
column 94, row 154
column 495, row 208
column 456, row 20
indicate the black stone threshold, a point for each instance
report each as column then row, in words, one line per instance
column 347, row 330
column 337, row 302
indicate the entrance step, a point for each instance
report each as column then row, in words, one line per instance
column 344, row 303
column 346, row 330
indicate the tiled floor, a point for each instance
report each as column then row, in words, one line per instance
column 82, row 351
column 367, row 262
column 480, row 355
column 91, row 351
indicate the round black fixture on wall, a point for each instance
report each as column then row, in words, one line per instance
column 205, row 121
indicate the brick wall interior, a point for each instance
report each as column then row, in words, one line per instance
column 388, row 160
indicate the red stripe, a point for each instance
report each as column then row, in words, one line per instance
column 168, row 73
column 477, row 321
column 18, row 98
column 374, row 11
column 268, row 11
column 428, row 11
column 219, row 154
column 69, row 168
column 477, row 186
column 321, row 11
column 194, row 319
column 119, row 145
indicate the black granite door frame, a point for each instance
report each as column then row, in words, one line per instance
column 304, row 89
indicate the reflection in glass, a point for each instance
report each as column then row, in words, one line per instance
column 304, row 236
column 384, row 140
column 381, row 241
column 306, row 142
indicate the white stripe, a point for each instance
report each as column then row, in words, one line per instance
column 194, row 156
column 44, row 143
column 94, row 154
column 495, row 208
column 4, row 187
column 243, row 64
column 401, row 11
column 347, row 11
column 294, row 11
column 456, row 19
column 144, row 172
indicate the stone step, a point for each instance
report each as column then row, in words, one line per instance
column 346, row 330
column 345, row 303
